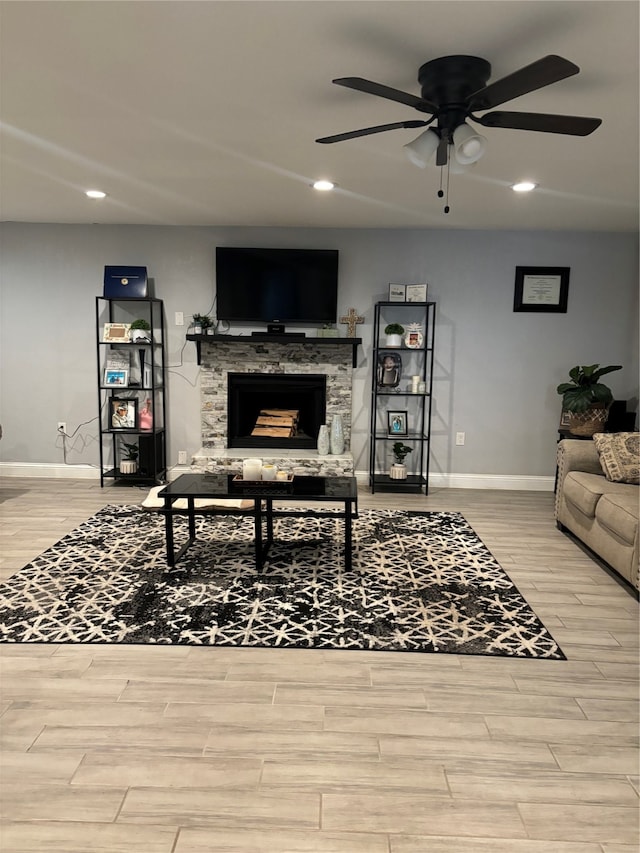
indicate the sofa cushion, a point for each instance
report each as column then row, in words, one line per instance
column 619, row 454
column 585, row 490
column 620, row 513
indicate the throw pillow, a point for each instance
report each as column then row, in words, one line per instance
column 619, row 454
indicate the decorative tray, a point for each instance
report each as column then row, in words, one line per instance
column 272, row 486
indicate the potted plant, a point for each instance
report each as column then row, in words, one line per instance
column 394, row 333
column 586, row 399
column 140, row 331
column 398, row 470
column 201, row 323
column 129, row 463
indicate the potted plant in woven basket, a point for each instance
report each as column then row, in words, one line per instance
column 585, row 399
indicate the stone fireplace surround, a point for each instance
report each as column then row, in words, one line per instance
column 220, row 357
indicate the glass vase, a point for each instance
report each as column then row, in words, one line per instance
column 323, row 440
column 337, row 435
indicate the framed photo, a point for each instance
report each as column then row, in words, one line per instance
column 541, row 289
column 389, row 370
column 397, row 292
column 397, row 423
column 116, row 333
column 416, row 293
column 113, row 377
column 124, row 413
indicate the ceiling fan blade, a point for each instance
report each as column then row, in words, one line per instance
column 366, row 131
column 362, row 85
column 442, row 153
column 543, row 122
column 541, row 73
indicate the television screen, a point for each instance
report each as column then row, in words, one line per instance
column 277, row 285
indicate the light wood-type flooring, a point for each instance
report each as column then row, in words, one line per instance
column 205, row 750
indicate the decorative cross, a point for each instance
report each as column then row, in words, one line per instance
column 351, row 319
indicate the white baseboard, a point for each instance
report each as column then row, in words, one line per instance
column 508, row 482
column 49, row 470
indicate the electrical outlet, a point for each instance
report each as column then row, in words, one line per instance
column 460, row 438
column 179, row 318
column 62, row 427
column 182, row 457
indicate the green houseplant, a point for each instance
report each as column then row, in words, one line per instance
column 586, row 399
column 139, row 330
column 129, row 462
column 201, row 323
column 394, row 333
column 398, row 470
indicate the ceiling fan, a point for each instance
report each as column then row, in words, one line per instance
column 454, row 88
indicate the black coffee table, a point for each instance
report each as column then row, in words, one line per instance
column 194, row 487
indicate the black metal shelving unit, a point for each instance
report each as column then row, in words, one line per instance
column 415, row 361
column 144, row 358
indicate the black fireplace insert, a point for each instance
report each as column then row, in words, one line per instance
column 249, row 393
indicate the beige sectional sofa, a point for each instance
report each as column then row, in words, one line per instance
column 603, row 514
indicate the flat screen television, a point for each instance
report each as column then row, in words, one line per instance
column 297, row 286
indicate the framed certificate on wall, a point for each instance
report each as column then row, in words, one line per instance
column 541, row 289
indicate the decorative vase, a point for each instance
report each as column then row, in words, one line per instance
column 323, row 440
column 337, row 435
column 128, row 466
column 394, row 340
column 398, row 471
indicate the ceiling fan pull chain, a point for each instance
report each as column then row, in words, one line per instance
column 446, row 206
column 440, row 191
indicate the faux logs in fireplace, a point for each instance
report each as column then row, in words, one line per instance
column 249, row 393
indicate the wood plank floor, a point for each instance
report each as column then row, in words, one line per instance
column 111, row 749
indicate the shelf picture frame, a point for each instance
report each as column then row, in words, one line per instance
column 416, row 292
column 116, row 333
column 123, row 413
column 389, row 370
column 397, row 423
column 397, row 293
column 541, row 290
column 116, row 378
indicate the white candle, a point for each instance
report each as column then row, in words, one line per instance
column 269, row 471
column 251, row 469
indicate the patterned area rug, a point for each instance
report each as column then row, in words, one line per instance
column 421, row 582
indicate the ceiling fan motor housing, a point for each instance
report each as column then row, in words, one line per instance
column 448, row 82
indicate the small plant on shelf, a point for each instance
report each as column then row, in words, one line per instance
column 129, row 462
column 400, row 451
column 140, row 330
column 130, row 450
column 394, row 329
column 394, row 333
column 200, row 323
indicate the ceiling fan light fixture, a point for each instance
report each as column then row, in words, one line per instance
column 422, row 149
column 468, row 146
column 523, row 187
column 323, row 185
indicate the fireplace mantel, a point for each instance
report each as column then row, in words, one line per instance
column 275, row 339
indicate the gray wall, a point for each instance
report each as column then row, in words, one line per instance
column 496, row 371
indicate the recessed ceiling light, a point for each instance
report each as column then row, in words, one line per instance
column 95, row 194
column 323, row 185
column 523, row 187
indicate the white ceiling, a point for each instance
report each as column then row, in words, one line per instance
column 205, row 113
